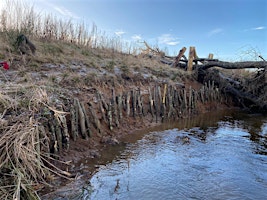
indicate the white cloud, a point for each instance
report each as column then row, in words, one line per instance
column 215, row 32
column 120, row 33
column 168, row 39
column 47, row 6
column 136, row 37
column 65, row 12
column 259, row 28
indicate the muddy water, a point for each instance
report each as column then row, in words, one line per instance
column 218, row 156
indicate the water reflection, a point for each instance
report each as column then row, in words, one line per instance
column 202, row 158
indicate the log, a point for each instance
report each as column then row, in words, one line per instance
column 250, row 94
column 179, row 56
column 233, row 65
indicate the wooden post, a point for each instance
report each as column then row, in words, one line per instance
column 102, row 106
column 74, row 123
column 110, row 116
column 163, row 105
column 179, row 56
column 151, row 103
column 81, row 119
column 133, row 94
column 190, row 99
column 210, row 56
column 115, row 108
column 87, row 121
column 156, row 102
column 95, row 119
column 128, row 97
column 119, row 101
column 191, row 57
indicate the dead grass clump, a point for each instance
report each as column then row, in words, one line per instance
column 25, row 163
column 21, row 165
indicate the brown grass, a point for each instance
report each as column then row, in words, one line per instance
column 24, row 144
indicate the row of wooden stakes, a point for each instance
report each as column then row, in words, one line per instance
column 159, row 103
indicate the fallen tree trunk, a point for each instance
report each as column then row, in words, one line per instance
column 247, row 93
column 233, row 65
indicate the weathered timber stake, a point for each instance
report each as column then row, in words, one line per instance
column 181, row 103
column 95, row 119
column 163, row 105
column 74, row 123
column 191, row 57
column 119, row 101
column 139, row 103
column 81, row 119
column 124, row 103
column 156, row 102
column 210, row 56
column 201, row 91
column 58, row 135
column 54, row 142
column 185, row 100
column 142, row 104
column 115, row 109
column 133, row 102
column 128, row 98
column 110, row 116
column 179, row 56
column 190, row 99
column 102, row 107
column 195, row 96
column 62, row 119
column 151, row 103
column 176, row 102
column 171, row 100
column 87, row 121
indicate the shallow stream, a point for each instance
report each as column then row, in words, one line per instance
column 213, row 156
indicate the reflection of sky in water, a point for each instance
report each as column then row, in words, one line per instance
column 162, row 165
column 264, row 128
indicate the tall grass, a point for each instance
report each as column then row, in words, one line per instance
column 20, row 17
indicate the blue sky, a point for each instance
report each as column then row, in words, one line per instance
column 227, row 28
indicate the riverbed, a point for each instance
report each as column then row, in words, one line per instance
column 219, row 155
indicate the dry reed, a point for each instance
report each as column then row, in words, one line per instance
column 20, row 17
column 25, row 163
